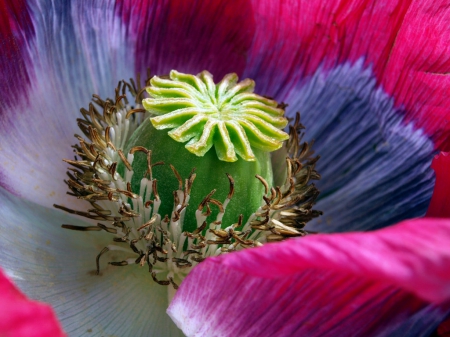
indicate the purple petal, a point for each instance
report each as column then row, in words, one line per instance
column 370, row 179
column 190, row 36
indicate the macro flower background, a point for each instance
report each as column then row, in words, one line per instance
column 370, row 79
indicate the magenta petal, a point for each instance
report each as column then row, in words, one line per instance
column 21, row 317
column 440, row 202
column 298, row 37
column 405, row 43
column 338, row 284
column 418, row 66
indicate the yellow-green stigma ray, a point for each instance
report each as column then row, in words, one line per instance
column 226, row 115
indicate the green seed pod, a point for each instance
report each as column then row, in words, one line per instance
column 227, row 116
column 210, row 175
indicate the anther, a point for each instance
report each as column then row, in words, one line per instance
column 200, row 229
column 264, row 182
column 163, row 283
column 124, row 160
column 133, row 111
column 177, row 175
column 231, row 193
column 97, row 259
column 206, row 200
column 81, row 228
column 175, row 286
column 119, row 264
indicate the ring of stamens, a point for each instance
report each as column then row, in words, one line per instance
column 132, row 217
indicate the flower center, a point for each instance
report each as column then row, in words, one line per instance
column 129, row 202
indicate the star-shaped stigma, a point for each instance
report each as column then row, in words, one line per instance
column 227, row 115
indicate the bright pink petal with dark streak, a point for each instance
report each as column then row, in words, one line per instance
column 21, row 317
column 189, row 36
column 356, row 284
column 440, row 202
column 406, row 43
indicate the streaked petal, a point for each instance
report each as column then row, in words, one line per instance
column 359, row 284
column 418, row 66
column 440, row 202
column 22, row 317
column 76, row 49
column 375, row 168
column 190, row 36
column 294, row 39
column 57, row 266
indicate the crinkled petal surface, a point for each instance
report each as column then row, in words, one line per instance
column 58, row 267
column 440, row 202
column 358, row 284
column 22, row 317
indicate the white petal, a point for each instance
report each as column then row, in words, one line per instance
column 57, row 266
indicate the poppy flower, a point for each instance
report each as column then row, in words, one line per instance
column 369, row 79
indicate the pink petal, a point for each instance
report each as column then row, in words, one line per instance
column 306, row 34
column 405, row 43
column 189, row 36
column 418, row 65
column 440, row 202
column 21, row 317
column 339, row 284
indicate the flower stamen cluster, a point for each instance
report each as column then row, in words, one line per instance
column 132, row 217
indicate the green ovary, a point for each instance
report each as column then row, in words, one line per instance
column 211, row 174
